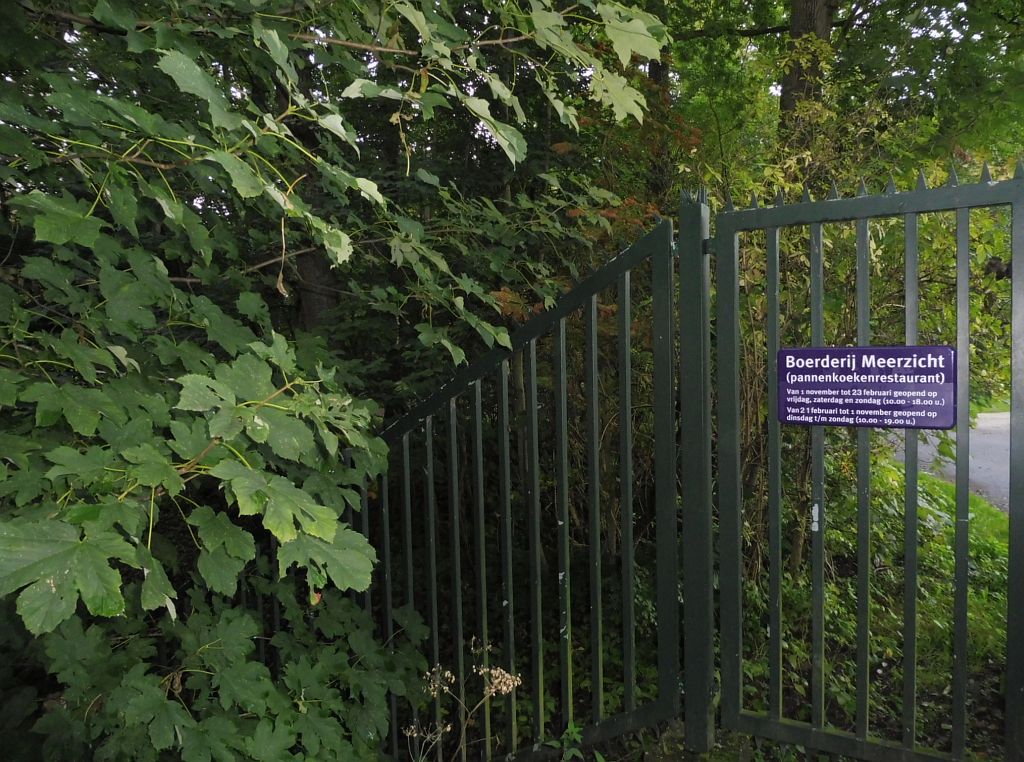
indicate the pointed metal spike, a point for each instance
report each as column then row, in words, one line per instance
column 728, row 202
column 921, row 184
column 890, row 188
column 986, row 175
column 1018, row 173
column 953, row 179
column 807, row 194
column 833, row 191
column 862, row 189
column 753, row 200
column 780, row 198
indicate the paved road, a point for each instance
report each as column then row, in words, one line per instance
column 990, row 459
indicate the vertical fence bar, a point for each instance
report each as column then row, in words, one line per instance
column 455, row 509
column 410, row 573
column 261, row 618
column 774, row 485
column 818, row 514
column 626, row 490
column 910, row 504
column 435, row 643
column 863, row 497
column 275, row 612
column 1015, row 614
column 349, row 514
column 505, row 501
column 562, row 498
column 594, row 512
column 961, row 547
column 695, row 441
column 533, row 498
column 730, row 507
column 481, row 552
column 364, row 523
column 665, row 512
column 386, row 574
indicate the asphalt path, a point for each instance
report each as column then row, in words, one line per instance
column 990, row 458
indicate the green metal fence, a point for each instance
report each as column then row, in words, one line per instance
column 503, row 491
column 817, row 217
column 476, row 529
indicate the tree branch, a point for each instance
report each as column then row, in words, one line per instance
column 761, row 31
column 505, row 41
column 350, row 44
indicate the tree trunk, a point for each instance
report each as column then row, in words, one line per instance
column 802, row 82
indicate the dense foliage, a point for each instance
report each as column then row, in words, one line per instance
column 193, row 193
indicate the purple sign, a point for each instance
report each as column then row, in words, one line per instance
column 882, row 387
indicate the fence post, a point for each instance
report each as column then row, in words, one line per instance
column 695, row 447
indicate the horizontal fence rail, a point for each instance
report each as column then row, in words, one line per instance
column 812, row 224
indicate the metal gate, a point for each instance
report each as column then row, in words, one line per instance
column 489, row 524
column 461, row 503
column 816, row 217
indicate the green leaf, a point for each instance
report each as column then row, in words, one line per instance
column 277, row 352
column 369, row 189
column 61, row 220
column 227, row 423
column 347, row 561
column 248, row 378
column 271, row 741
column 545, row 20
column 157, row 590
column 288, row 437
column 335, row 124
column 277, row 49
column 245, row 685
column 115, row 14
column 613, row 91
column 337, row 242
column 285, row 507
column 215, row 738
column 81, row 408
column 216, row 530
column 191, row 79
column 508, row 137
column 84, row 467
column 417, row 19
column 220, row 570
column 629, row 34
column 288, row 506
column 123, row 206
column 152, row 468
column 46, row 603
column 142, row 701
column 55, row 566
column 9, row 383
column 243, row 178
column 199, row 393
column 188, row 441
column 253, row 307
column 428, row 178
column 247, row 485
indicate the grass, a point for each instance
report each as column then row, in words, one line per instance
column 987, row 521
column 993, row 406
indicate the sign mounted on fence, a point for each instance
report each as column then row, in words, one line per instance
column 883, row 387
